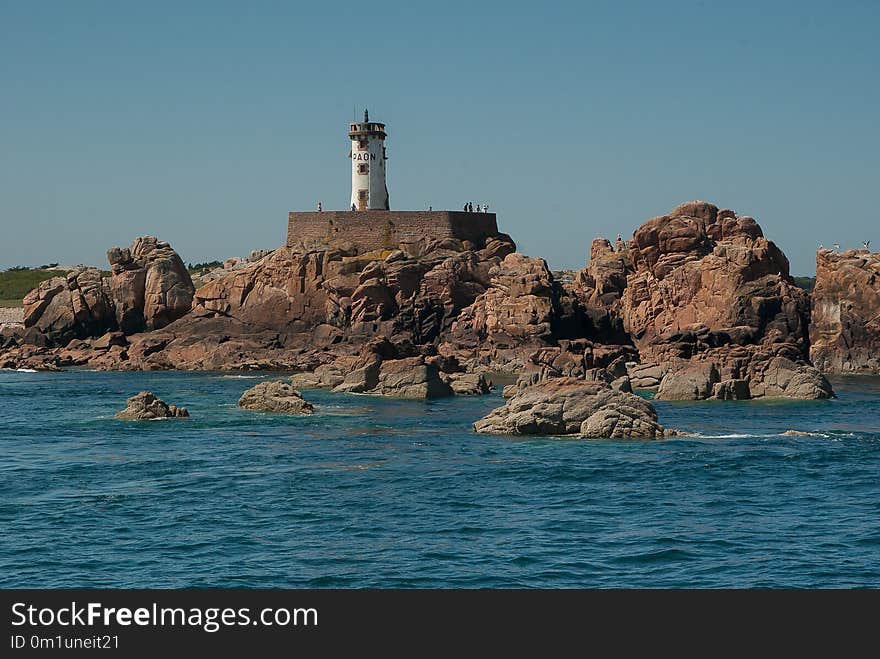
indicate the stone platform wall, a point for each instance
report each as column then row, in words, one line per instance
column 376, row 229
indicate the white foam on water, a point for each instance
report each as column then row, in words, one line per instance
column 730, row 436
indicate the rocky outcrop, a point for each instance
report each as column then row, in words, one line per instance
column 522, row 309
column 599, row 288
column 698, row 300
column 300, row 309
column 149, row 288
column 146, row 406
column 693, row 382
column 73, row 306
column 845, row 326
column 468, row 384
column 709, row 288
column 731, row 390
column 411, row 377
column 150, row 285
column 233, row 263
column 580, row 359
column 742, row 372
column 569, row 406
column 276, row 397
column 11, row 317
column 387, row 369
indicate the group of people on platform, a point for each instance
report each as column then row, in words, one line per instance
column 471, row 207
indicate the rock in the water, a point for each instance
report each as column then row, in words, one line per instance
column 360, row 380
column 325, row 376
column 621, row 422
column 783, row 377
column 569, row 406
column 411, row 378
column 468, row 384
column 146, row 405
column 731, row 390
column 845, row 323
column 277, row 397
column 695, row 382
column 150, row 285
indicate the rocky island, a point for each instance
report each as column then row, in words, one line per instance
column 698, row 304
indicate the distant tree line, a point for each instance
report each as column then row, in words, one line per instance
column 807, row 283
column 207, row 265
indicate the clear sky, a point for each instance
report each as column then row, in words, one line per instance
column 205, row 122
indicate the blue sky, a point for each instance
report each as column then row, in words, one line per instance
column 204, row 123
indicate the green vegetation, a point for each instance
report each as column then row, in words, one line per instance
column 807, row 283
column 16, row 282
column 202, row 267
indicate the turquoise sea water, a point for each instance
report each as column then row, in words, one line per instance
column 371, row 492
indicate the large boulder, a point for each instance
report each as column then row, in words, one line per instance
column 694, row 382
column 276, row 397
column 468, row 384
column 146, row 406
column 700, row 267
column 845, row 323
column 569, row 406
column 150, row 285
column 74, row 306
column 743, row 372
column 411, row 378
column 707, row 286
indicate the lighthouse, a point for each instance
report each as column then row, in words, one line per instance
column 368, row 188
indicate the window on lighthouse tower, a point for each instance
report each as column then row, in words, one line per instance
column 363, row 168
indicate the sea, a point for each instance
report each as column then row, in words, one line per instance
column 371, row 492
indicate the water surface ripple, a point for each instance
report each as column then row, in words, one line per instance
column 372, row 492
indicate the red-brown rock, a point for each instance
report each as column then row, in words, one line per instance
column 845, row 325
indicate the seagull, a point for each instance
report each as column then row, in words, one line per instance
column 836, row 245
column 867, row 244
column 821, row 246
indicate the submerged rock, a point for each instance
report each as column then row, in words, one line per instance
column 146, row 405
column 277, row 397
column 569, row 406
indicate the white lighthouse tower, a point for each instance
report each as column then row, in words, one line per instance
column 368, row 188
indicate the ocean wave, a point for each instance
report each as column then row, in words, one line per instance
column 786, row 433
column 743, row 435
